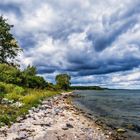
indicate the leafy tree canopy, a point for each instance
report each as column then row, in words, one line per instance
column 8, row 45
column 30, row 70
column 63, row 81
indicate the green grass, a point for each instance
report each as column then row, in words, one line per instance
column 8, row 88
column 28, row 97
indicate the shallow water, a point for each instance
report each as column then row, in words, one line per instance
column 116, row 108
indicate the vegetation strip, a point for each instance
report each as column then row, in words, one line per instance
column 16, row 101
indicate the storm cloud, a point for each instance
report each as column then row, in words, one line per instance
column 96, row 42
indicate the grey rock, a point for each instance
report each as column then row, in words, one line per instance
column 42, row 123
column 22, row 135
column 69, row 125
column 121, row 130
column 65, row 128
column 17, row 104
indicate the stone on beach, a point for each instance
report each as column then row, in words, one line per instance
column 121, row 130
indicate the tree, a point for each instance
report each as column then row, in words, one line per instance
column 31, row 80
column 8, row 45
column 63, row 81
column 30, row 70
column 9, row 74
column 36, row 82
column 26, row 75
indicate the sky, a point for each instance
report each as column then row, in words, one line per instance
column 97, row 42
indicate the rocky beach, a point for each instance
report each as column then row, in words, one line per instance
column 54, row 119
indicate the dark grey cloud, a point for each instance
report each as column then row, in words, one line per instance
column 42, row 70
column 10, row 8
column 108, row 36
column 94, row 41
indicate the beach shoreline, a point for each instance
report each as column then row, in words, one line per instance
column 109, row 131
column 55, row 119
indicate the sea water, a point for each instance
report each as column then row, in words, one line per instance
column 115, row 108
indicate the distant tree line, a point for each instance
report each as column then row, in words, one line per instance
column 87, row 88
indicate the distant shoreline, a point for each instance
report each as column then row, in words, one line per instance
column 88, row 88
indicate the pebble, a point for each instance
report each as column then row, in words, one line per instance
column 69, row 125
column 22, row 135
column 65, row 128
column 121, row 130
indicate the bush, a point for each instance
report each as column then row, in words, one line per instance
column 9, row 74
column 6, row 88
column 11, row 92
column 35, row 82
column 30, row 99
column 13, row 96
column 5, row 119
column 2, row 88
column 19, row 90
column 25, row 78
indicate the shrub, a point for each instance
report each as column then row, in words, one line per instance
column 5, row 119
column 25, row 78
column 6, row 88
column 9, row 74
column 36, row 82
column 30, row 99
column 13, row 96
column 2, row 88
column 19, row 90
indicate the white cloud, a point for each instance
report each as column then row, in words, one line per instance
column 66, row 32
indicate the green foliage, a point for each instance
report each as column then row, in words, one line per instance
column 6, row 88
column 30, row 99
column 63, row 81
column 5, row 119
column 31, row 80
column 12, row 92
column 51, row 86
column 8, row 45
column 35, row 96
column 13, row 96
column 7, row 114
column 19, row 90
column 87, row 88
column 26, row 78
column 9, row 74
column 34, row 81
column 30, row 70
